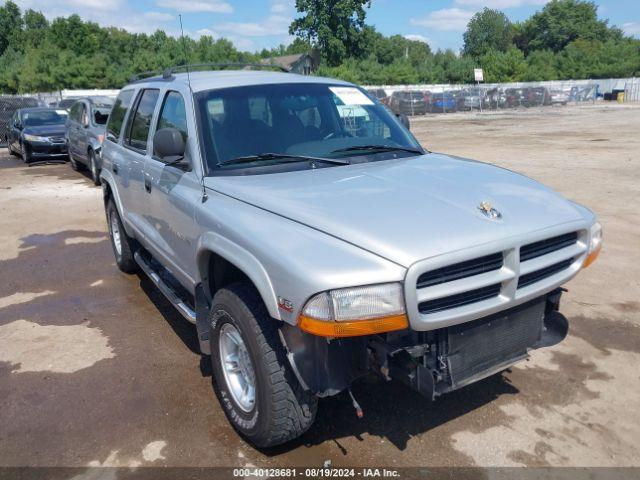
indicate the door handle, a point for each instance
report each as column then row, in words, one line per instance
column 115, row 169
column 147, row 184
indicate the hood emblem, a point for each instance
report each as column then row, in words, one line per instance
column 488, row 211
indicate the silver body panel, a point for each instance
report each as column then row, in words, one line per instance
column 298, row 233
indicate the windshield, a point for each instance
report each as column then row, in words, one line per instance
column 44, row 117
column 303, row 119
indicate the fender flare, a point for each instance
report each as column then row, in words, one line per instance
column 242, row 259
column 108, row 182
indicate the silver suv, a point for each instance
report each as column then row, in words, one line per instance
column 85, row 133
column 312, row 240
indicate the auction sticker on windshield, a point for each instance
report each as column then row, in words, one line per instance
column 351, row 96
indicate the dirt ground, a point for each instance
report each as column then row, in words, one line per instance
column 97, row 369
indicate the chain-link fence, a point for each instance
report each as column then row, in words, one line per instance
column 422, row 99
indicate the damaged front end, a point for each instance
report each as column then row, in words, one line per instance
column 432, row 362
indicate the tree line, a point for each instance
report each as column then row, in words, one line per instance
column 564, row 40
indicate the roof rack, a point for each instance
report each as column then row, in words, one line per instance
column 139, row 76
column 168, row 73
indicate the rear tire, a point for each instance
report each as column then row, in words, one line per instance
column 72, row 161
column 123, row 245
column 93, row 168
column 280, row 410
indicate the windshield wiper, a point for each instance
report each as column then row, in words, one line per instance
column 378, row 148
column 283, row 156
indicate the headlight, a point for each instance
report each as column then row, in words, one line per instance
column 595, row 244
column 35, row 138
column 350, row 312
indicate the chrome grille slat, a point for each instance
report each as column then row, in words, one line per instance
column 460, row 299
column 464, row 284
column 551, row 258
column 546, row 272
column 548, row 245
column 460, row 270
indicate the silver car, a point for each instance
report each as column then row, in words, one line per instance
column 311, row 245
column 85, row 133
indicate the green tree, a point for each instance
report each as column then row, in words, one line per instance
column 561, row 22
column 509, row 66
column 334, row 26
column 541, row 65
column 487, row 30
column 10, row 24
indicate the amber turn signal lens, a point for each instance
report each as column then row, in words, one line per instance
column 592, row 257
column 353, row 328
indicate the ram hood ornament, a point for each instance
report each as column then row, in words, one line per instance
column 488, row 211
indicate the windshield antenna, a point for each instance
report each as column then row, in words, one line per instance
column 186, row 54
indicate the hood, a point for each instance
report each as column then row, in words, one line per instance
column 46, row 130
column 408, row 209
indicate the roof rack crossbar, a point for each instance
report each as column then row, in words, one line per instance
column 171, row 70
column 139, row 76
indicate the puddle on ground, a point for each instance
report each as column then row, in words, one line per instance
column 32, row 347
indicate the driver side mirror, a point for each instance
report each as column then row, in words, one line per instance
column 168, row 145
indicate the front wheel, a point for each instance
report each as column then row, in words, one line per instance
column 253, row 381
column 26, row 154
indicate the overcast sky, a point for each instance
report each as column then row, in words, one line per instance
column 254, row 24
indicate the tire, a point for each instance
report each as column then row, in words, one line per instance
column 93, row 168
column 281, row 410
column 123, row 246
column 72, row 161
column 26, row 156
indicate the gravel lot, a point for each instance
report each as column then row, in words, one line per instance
column 97, row 369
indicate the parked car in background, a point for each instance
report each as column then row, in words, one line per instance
column 558, row 97
column 66, row 103
column 537, row 97
column 85, row 133
column 473, row 99
column 495, row 98
column 515, row 97
column 379, row 94
column 38, row 133
column 408, row 102
column 443, row 102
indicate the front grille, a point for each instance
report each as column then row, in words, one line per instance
column 460, row 299
column 460, row 270
column 537, row 249
column 536, row 276
column 56, row 139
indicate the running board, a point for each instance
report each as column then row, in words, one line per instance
column 166, row 290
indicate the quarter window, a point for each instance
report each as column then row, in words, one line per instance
column 140, row 123
column 116, row 118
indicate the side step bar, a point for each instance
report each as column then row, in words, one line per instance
column 166, row 290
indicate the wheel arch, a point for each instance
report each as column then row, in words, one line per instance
column 221, row 262
column 109, row 192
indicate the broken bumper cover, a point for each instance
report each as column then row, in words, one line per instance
column 463, row 354
column 433, row 362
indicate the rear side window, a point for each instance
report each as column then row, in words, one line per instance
column 117, row 115
column 139, row 121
